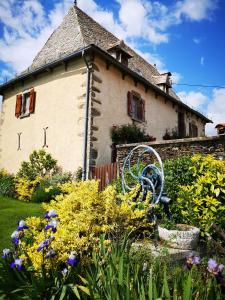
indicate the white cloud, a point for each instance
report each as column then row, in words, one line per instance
column 104, row 17
column 202, row 61
column 26, row 29
column 195, row 10
column 216, row 110
column 149, row 20
column 193, row 99
column 176, row 77
column 136, row 17
column 213, row 107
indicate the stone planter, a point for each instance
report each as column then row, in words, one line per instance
column 186, row 237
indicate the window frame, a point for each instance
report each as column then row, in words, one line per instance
column 136, row 97
column 25, row 104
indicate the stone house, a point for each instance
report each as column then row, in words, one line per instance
column 82, row 82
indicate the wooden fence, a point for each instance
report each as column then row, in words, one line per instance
column 106, row 174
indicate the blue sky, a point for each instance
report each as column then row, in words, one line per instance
column 185, row 37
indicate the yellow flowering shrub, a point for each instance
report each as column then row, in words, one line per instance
column 25, row 187
column 83, row 214
column 203, row 202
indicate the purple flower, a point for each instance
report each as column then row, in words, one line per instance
column 214, row 268
column 18, row 264
column 22, row 225
column 43, row 244
column 50, row 253
column 15, row 237
column 52, row 224
column 192, row 260
column 6, row 253
column 212, row 265
column 196, row 260
column 72, row 260
column 51, row 214
column 220, row 268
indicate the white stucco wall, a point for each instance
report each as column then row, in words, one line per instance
column 161, row 114
column 60, row 95
column 113, row 95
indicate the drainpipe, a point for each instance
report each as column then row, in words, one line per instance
column 86, row 123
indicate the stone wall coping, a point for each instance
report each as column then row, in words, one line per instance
column 177, row 141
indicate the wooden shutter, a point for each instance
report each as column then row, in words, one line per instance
column 143, row 110
column 18, row 105
column 129, row 104
column 32, row 101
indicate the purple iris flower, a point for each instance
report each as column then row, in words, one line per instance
column 72, row 260
column 6, row 253
column 22, row 225
column 52, row 224
column 50, row 253
column 192, row 260
column 214, row 268
column 43, row 244
column 15, row 237
column 196, row 260
column 51, row 214
column 212, row 265
column 18, row 264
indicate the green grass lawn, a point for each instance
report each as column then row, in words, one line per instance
column 11, row 211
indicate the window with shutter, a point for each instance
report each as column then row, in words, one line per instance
column 136, row 106
column 25, row 104
column 18, row 105
column 32, row 101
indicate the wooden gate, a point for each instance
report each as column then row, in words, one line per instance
column 106, row 174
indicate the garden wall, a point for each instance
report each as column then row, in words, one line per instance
column 174, row 148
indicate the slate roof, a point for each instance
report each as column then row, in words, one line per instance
column 79, row 30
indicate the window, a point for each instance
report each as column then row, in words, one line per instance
column 136, row 106
column 25, row 103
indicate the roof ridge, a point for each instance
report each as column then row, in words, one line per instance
column 80, row 11
column 114, row 36
column 64, row 40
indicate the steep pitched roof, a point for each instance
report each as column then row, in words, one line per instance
column 77, row 31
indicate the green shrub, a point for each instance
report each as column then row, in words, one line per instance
column 40, row 164
column 177, row 173
column 50, row 187
column 203, row 201
column 130, row 181
column 45, row 192
column 7, row 184
column 129, row 133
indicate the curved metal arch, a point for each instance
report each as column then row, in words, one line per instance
column 153, row 182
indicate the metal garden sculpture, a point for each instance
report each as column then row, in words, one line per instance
column 150, row 177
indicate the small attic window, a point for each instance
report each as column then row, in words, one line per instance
column 119, row 52
column 164, row 81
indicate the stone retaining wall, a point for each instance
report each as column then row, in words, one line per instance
column 174, row 148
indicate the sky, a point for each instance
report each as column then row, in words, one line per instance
column 185, row 37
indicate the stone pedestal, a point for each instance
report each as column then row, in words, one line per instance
column 161, row 250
